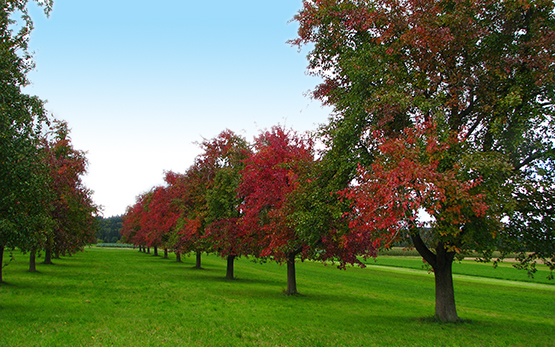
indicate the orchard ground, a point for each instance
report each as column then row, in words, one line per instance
column 120, row 297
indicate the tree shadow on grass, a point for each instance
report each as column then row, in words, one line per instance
column 435, row 320
column 7, row 284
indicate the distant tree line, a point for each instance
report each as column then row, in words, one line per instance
column 109, row 229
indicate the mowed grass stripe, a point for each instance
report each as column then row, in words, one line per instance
column 470, row 278
column 120, row 297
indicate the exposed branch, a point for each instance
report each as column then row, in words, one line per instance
column 476, row 124
column 423, row 249
column 532, row 157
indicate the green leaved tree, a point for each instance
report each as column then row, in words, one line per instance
column 24, row 192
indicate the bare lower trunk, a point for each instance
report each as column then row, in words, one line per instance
column 148, row 250
column 178, row 257
column 1, row 262
column 230, row 262
column 48, row 256
column 442, row 263
column 446, row 310
column 198, row 260
column 291, row 277
column 165, row 253
column 155, row 251
column 33, row 261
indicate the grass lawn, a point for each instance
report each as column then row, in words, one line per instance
column 120, row 297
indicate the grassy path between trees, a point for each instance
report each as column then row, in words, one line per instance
column 120, row 297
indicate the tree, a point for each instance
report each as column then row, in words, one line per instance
column 162, row 215
column 23, row 177
column 481, row 72
column 270, row 178
column 151, row 222
column 192, row 222
column 225, row 155
column 72, row 207
column 133, row 229
column 409, row 177
column 176, row 208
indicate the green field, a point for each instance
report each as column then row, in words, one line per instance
column 120, row 297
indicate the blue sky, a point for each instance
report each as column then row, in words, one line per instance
column 140, row 81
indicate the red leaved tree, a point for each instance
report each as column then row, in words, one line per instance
column 224, row 155
column 173, row 209
column 157, row 220
column 132, row 231
column 152, row 220
column 413, row 177
column 72, row 208
column 191, row 224
column 271, row 175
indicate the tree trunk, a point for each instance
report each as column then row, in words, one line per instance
column 148, row 250
column 291, row 278
column 178, row 257
column 33, row 261
column 230, row 262
column 155, row 251
column 446, row 310
column 48, row 256
column 442, row 263
column 1, row 262
column 165, row 253
column 198, row 262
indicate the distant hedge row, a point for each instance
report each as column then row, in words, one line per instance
column 115, row 245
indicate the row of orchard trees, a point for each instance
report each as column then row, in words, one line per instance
column 238, row 200
column 44, row 205
column 442, row 133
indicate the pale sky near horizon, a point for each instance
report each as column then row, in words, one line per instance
column 139, row 82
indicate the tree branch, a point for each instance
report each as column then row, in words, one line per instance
column 475, row 125
column 532, row 157
column 423, row 249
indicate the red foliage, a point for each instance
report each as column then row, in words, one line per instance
column 225, row 155
column 72, row 207
column 152, row 220
column 270, row 177
column 410, row 176
column 132, row 231
column 190, row 190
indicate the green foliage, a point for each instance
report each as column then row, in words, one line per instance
column 121, row 297
column 109, row 229
column 115, row 245
column 468, row 267
column 480, row 72
column 24, row 178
